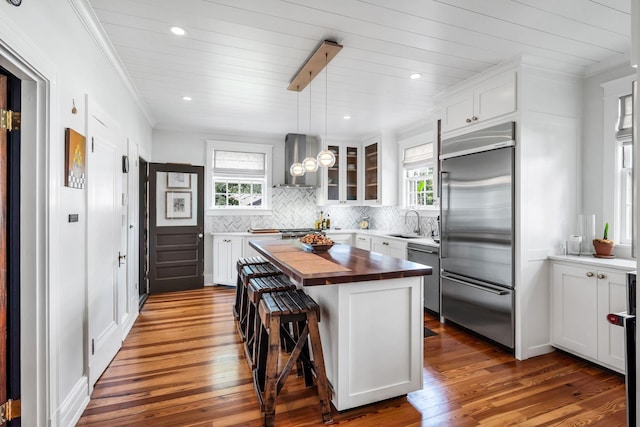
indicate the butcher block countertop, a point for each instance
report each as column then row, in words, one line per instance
column 340, row 264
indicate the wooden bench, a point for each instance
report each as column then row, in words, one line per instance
column 274, row 310
column 239, row 288
column 247, row 273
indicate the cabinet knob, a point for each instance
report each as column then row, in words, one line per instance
column 468, row 120
column 589, row 274
column 601, row 276
column 474, row 118
column 385, row 243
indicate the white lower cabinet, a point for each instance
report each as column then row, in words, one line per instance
column 363, row 241
column 581, row 298
column 389, row 247
column 248, row 251
column 344, row 238
column 226, row 251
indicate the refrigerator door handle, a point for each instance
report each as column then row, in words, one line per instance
column 476, row 286
column 444, row 209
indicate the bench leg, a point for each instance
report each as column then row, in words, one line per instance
column 236, row 305
column 318, row 360
column 270, row 388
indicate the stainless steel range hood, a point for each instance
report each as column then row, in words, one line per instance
column 296, row 148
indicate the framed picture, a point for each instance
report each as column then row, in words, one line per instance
column 178, row 180
column 178, row 205
column 75, row 160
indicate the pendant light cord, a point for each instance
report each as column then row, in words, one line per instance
column 326, row 94
column 310, row 102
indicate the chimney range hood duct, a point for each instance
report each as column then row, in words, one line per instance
column 296, row 148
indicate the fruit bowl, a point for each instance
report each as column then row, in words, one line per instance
column 316, row 242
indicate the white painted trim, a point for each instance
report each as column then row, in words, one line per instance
column 612, row 91
column 39, row 93
column 70, row 411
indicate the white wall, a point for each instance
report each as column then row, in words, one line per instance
column 53, row 42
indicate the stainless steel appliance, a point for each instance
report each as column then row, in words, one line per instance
column 627, row 320
column 428, row 255
column 296, row 233
column 477, row 232
column 296, row 148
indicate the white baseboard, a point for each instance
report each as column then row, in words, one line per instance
column 208, row 280
column 74, row 404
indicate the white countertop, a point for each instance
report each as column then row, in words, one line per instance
column 616, row 263
column 424, row 240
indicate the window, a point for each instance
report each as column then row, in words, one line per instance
column 617, row 164
column 418, row 168
column 240, row 177
column 625, row 167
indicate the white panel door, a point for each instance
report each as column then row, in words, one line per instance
column 574, row 306
column 104, row 230
column 612, row 298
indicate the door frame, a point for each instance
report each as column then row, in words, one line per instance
column 37, row 231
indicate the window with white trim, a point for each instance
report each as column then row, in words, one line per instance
column 419, row 177
column 625, row 167
column 240, row 177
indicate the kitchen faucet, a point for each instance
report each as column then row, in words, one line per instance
column 417, row 229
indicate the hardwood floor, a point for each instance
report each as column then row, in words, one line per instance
column 183, row 365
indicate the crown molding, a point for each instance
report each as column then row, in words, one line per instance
column 90, row 21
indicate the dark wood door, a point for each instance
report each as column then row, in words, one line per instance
column 10, row 94
column 176, row 239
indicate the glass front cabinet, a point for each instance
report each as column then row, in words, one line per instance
column 341, row 180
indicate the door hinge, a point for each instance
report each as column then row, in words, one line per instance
column 93, row 346
column 92, row 144
column 9, row 410
column 9, row 120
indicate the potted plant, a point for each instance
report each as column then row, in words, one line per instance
column 604, row 246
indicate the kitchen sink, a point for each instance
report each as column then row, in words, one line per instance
column 404, row 236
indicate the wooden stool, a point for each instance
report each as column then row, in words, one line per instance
column 274, row 310
column 247, row 273
column 239, row 288
column 256, row 288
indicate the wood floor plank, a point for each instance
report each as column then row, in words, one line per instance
column 183, row 364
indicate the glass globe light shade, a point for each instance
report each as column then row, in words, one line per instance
column 310, row 164
column 326, row 158
column 296, row 169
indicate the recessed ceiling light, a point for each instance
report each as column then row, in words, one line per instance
column 178, row 31
column 186, row 98
column 347, row 117
column 415, row 76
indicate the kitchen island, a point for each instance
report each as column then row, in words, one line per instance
column 371, row 323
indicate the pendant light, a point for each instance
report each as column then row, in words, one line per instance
column 310, row 164
column 297, row 169
column 326, row 158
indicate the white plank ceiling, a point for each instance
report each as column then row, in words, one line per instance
column 238, row 56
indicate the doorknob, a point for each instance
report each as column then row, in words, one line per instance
column 200, row 235
column 121, row 258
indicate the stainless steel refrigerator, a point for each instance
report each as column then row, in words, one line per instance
column 477, row 232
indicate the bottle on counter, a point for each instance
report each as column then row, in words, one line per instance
column 318, row 223
column 327, row 222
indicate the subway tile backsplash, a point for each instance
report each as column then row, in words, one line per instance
column 296, row 208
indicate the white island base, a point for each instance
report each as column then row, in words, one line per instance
column 372, row 338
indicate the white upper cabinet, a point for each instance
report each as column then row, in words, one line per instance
column 489, row 99
column 364, row 174
column 340, row 183
column 380, row 171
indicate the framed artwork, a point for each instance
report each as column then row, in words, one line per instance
column 178, row 205
column 178, row 180
column 75, row 160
